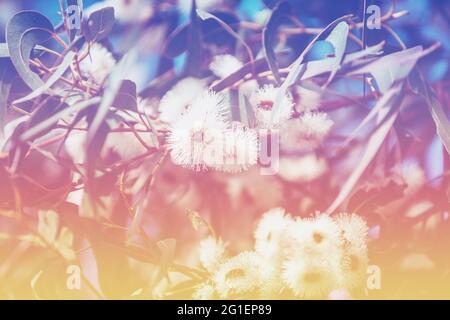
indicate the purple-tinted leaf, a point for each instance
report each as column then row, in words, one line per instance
column 24, row 31
column 394, row 67
column 56, row 75
column 4, row 52
column 99, row 24
column 297, row 69
column 279, row 15
column 386, row 118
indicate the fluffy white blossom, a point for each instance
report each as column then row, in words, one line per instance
column 239, row 275
column 204, row 292
column 317, row 236
column 212, row 253
column 224, row 65
column 98, row 64
column 271, row 235
column 175, row 102
column 306, row 99
column 353, row 231
column 196, row 140
column 263, row 101
column 315, row 126
column 310, row 278
column 306, row 132
column 240, row 150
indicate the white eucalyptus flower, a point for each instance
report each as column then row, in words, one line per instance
column 196, row 140
column 263, row 101
column 175, row 102
column 240, row 150
column 307, row 132
column 224, row 65
column 98, row 64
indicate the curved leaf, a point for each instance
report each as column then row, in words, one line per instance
column 278, row 16
column 387, row 115
column 298, row 68
column 6, row 72
column 47, row 123
column 24, row 31
column 99, row 24
column 394, row 67
column 61, row 69
column 4, row 52
column 338, row 39
column 206, row 15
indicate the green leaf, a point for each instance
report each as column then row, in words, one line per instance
column 24, row 31
column 99, row 24
column 277, row 18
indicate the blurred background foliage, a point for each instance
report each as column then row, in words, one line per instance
column 428, row 21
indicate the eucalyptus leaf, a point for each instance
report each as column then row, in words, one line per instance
column 177, row 41
column 6, row 74
column 277, row 18
column 194, row 44
column 50, row 121
column 393, row 67
column 167, row 248
column 115, row 83
column 318, row 67
column 99, row 24
column 297, row 68
column 56, row 75
column 388, row 112
column 4, row 52
column 206, row 15
column 24, row 31
column 338, row 39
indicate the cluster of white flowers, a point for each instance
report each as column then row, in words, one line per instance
column 300, row 258
column 263, row 101
column 177, row 100
column 306, row 132
column 203, row 137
